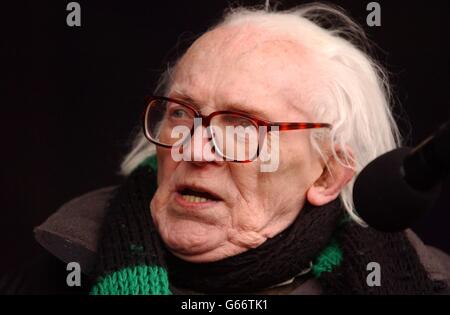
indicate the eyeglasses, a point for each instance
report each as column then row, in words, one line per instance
column 235, row 136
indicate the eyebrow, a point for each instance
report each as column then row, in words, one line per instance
column 237, row 107
column 185, row 98
column 240, row 107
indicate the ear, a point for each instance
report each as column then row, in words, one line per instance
column 328, row 186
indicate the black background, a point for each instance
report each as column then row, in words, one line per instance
column 73, row 95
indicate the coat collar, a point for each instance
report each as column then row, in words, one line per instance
column 72, row 232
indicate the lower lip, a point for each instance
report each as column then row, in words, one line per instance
column 188, row 204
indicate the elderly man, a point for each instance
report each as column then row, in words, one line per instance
column 241, row 179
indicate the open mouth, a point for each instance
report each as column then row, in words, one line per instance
column 197, row 195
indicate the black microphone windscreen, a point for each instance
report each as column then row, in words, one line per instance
column 382, row 197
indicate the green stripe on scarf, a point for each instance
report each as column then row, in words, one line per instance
column 330, row 258
column 137, row 280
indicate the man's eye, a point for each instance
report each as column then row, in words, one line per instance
column 246, row 124
column 179, row 113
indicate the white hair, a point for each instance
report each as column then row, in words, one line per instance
column 354, row 95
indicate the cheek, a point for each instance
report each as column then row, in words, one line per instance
column 244, row 175
column 298, row 169
column 298, row 157
column 246, row 181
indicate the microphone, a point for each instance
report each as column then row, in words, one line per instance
column 397, row 188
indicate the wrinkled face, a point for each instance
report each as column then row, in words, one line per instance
column 246, row 69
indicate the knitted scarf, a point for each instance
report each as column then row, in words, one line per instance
column 132, row 259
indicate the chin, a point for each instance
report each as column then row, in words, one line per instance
column 193, row 240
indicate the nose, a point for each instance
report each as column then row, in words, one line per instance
column 200, row 148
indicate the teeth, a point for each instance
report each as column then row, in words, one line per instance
column 191, row 198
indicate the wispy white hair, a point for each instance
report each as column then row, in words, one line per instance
column 354, row 94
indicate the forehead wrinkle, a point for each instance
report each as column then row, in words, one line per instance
column 273, row 47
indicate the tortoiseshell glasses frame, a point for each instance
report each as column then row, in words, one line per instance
column 154, row 101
